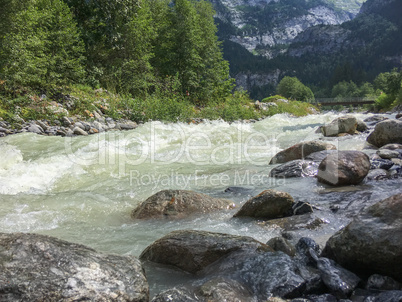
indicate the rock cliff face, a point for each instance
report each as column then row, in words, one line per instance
column 266, row 27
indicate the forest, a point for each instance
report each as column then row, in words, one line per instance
column 157, row 59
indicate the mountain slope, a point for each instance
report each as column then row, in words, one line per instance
column 323, row 55
column 267, row 27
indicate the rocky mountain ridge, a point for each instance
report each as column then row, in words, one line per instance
column 267, row 27
column 320, row 55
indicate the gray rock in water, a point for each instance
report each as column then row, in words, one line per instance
column 42, row 268
column 371, row 243
column 388, row 154
column 378, row 174
column 385, row 164
column 300, row 151
column 386, row 132
column 264, row 274
column 269, row 204
column 192, row 251
column 345, row 124
column 339, row 281
column 361, row 126
column 392, row 147
column 178, row 204
column 372, row 120
column 221, row 289
column 175, row 295
column 281, row 244
column 344, row 168
column 295, row 168
column 296, row 222
column 301, row 208
column 319, row 156
column 378, row 282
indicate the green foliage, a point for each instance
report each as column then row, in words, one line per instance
column 391, row 84
column 384, row 101
column 292, row 88
column 42, row 46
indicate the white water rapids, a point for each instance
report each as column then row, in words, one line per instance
column 83, row 189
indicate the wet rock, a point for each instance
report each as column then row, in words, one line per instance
column 318, row 298
column 238, row 190
column 301, row 208
column 269, row 204
column 372, row 120
column 281, row 244
column 307, row 250
column 385, row 164
column 192, row 251
column 371, row 243
column 79, row 131
column 378, row 282
column 361, row 126
column 300, row 151
column 297, row 222
column 376, row 296
column 264, row 274
column 386, row 132
column 42, row 268
column 378, row 174
column 127, row 125
column 178, row 204
column 346, row 124
column 295, row 168
column 339, row 281
column 319, row 156
column 344, row 168
column 392, row 147
column 388, row 154
column 221, row 289
column 175, row 295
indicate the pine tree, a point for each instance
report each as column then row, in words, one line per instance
column 42, row 46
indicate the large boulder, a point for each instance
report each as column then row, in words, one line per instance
column 269, row 204
column 192, row 251
column 386, row 132
column 345, row 124
column 179, row 203
column 344, row 168
column 295, row 168
column 300, row 151
column 41, row 268
column 371, row 243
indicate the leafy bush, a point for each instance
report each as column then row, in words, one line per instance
column 292, row 88
column 384, row 101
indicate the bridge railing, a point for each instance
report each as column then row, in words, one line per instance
column 344, row 100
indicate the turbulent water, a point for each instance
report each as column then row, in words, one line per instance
column 83, row 189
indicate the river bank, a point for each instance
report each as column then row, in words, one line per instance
column 84, row 189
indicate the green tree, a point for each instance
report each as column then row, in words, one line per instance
column 187, row 46
column 118, row 38
column 292, row 88
column 42, row 46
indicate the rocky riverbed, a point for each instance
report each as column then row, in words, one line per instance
column 325, row 227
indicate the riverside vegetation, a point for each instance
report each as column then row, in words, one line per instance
column 157, row 62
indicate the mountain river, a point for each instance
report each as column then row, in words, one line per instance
column 83, row 189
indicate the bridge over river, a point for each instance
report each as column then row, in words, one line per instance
column 344, row 101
